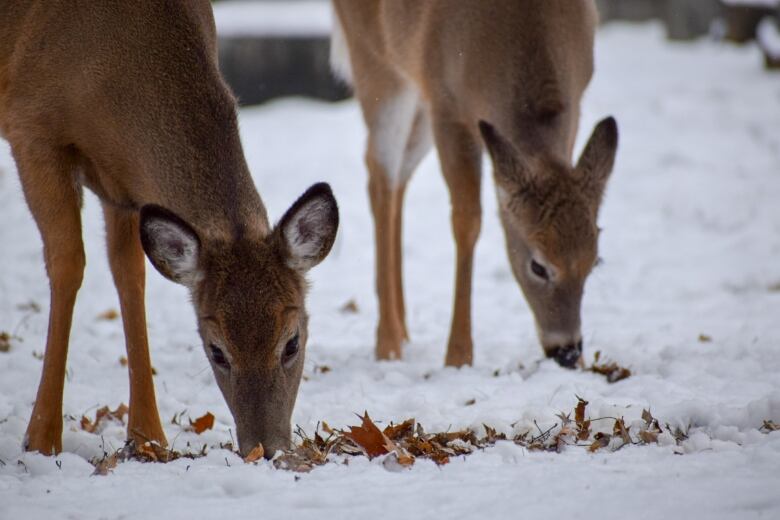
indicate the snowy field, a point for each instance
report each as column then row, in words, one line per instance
column 691, row 247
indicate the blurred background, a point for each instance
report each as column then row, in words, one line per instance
column 278, row 48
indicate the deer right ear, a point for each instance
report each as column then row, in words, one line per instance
column 598, row 158
column 171, row 244
column 308, row 229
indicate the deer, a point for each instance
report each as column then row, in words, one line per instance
column 126, row 99
column 465, row 76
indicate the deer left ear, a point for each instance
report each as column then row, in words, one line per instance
column 509, row 166
column 598, row 158
column 308, row 229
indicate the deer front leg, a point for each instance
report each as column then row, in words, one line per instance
column 460, row 157
column 385, row 204
column 55, row 202
column 127, row 259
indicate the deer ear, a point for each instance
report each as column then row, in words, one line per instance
column 598, row 157
column 308, row 229
column 508, row 165
column 171, row 244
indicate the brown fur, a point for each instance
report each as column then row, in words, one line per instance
column 126, row 99
column 520, row 68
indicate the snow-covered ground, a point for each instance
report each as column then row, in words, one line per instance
column 691, row 246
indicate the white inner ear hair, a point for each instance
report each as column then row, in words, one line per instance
column 177, row 249
column 307, row 229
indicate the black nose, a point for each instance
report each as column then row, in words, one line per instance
column 566, row 356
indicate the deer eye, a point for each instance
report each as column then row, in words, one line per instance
column 290, row 350
column 218, row 357
column 539, row 270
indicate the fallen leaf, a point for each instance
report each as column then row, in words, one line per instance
column 105, row 465
column 704, row 338
column 600, row 440
column 203, row 423
column 351, row 307
column 153, row 452
column 648, row 437
column 5, row 342
column 103, row 414
column 370, row 438
column 579, row 411
column 620, row 430
column 610, row 369
column 470, row 402
column 396, row 432
column 108, row 315
column 321, row 369
column 123, row 361
column 769, row 426
column 255, row 454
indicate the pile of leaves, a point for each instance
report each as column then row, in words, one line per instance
column 400, row 445
column 406, row 442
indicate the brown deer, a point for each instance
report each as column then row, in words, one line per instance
column 125, row 98
column 457, row 73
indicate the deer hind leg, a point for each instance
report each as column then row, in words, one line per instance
column 398, row 139
column 460, row 157
column 54, row 199
column 126, row 258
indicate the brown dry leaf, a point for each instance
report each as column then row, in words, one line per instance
column 321, row 369
column 123, row 361
column 5, row 341
column 108, row 315
column 705, row 338
column 648, row 437
column 370, row 438
column 491, row 435
column 600, row 440
column 153, row 452
column 583, row 431
column 256, row 454
column 203, row 423
column 470, row 402
column 579, row 411
column 106, row 464
column 351, row 307
column 769, row 426
column 611, row 370
column 395, row 432
column 647, row 417
column 103, row 414
column 620, row 430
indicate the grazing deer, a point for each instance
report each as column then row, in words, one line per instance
column 457, row 73
column 125, row 98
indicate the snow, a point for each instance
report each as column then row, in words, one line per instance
column 273, row 18
column 768, row 36
column 690, row 245
column 753, row 3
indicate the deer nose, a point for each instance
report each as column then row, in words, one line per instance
column 566, row 356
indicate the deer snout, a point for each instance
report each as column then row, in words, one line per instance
column 566, row 350
column 271, row 441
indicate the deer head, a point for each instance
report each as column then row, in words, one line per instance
column 249, row 299
column 549, row 211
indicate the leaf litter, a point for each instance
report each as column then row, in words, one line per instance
column 400, row 445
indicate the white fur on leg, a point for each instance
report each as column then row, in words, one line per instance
column 391, row 131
